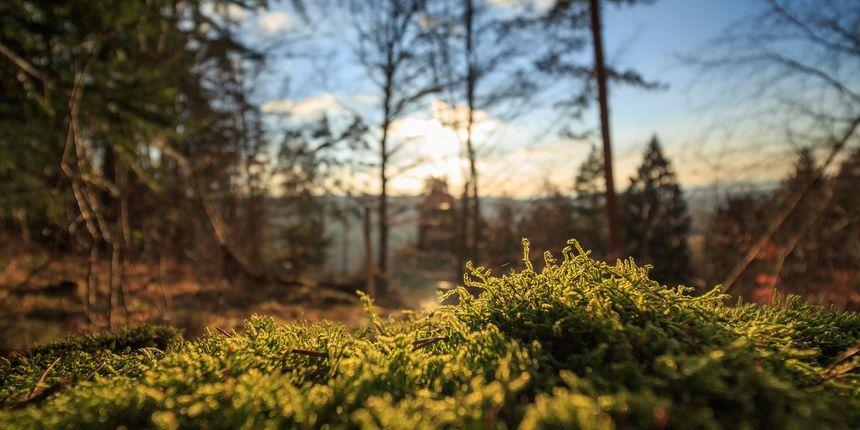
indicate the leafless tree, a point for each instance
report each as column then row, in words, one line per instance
column 480, row 55
column 391, row 41
column 793, row 66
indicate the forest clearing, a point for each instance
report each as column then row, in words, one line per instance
column 594, row 214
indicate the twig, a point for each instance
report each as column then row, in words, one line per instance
column 845, row 355
column 94, row 371
column 36, row 397
column 829, row 372
column 311, row 353
column 420, row 343
column 224, row 332
column 43, row 377
column 42, row 395
column 26, row 66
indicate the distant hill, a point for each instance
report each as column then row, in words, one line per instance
column 346, row 253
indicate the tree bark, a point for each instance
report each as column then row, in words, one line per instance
column 344, row 219
column 368, row 251
column 471, row 78
column 463, row 248
column 382, row 259
column 600, row 71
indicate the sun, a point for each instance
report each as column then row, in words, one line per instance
column 436, row 148
column 438, row 143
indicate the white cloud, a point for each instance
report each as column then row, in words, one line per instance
column 272, row 22
column 308, row 108
column 437, row 142
column 234, row 12
column 538, row 5
column 219, row 9
column 455, row 116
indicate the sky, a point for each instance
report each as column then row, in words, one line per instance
column 316, row 71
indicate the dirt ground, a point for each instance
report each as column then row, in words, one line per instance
column 43, row 300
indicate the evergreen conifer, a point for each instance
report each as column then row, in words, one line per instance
column 655, row 218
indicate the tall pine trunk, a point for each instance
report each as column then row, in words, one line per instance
column 471, row 78
column 600, row 71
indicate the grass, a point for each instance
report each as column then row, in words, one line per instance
column 578, row 344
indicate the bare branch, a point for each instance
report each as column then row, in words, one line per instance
column 789, row 209
column 25, row 65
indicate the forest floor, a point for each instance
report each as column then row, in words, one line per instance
column 43, row 300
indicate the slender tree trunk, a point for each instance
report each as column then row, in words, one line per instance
column 382, row 259
column 471, row 78
column 74, row 156
column 90, row 303
column 600, row 71
column 113, row 282
column 463, row 248
column 368, row 251
column 123, row 240
column 222, row 237
column 255, row 220
column 475, row 214
column 344, row 252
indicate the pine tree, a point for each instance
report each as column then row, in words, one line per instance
column 816, row 253
column 590, row 201
column 808, row 255
column 437, row 228
column 844, row 217
column 655, row 218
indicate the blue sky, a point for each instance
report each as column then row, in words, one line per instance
column 520, row 155
column 652, row 37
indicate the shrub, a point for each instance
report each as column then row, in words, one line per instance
column 578, row 344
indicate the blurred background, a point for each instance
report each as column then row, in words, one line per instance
column 191, row 162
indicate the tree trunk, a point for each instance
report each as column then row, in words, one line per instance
column 368, row 251
column 600, row 70
column 463, row 248
column 221, row 235
column 122, row 241
column 344, row 252
column 382, row 259
column 471, row 78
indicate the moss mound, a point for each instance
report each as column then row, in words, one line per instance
column 579, row 344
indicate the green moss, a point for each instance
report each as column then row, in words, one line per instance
column 124, row 352
column 579, row 344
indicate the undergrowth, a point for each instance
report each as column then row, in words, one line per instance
column 578, row 344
